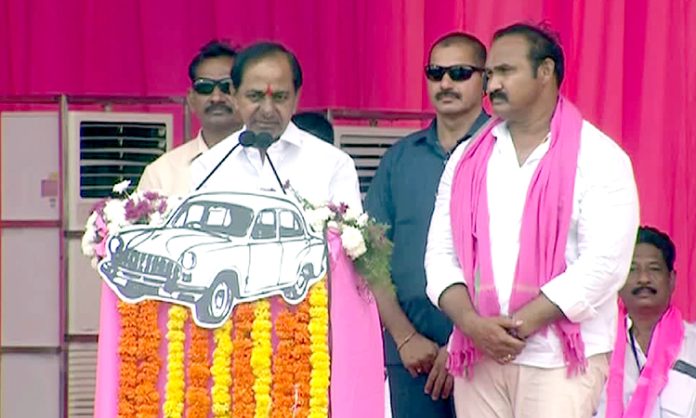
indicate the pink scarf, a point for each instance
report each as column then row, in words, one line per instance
column 543, row 236
column 665, row 344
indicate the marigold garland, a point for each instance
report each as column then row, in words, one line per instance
column 320, row 359
column 261, row 354
column 128, row 356
column 197, row 395
column 174, row 389
column 243, row 404
column 284, row 366
column 301, row 365
column 302, row 352
column 147, row 395
column 222, row 371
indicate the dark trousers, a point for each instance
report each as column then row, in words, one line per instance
column 408, row 399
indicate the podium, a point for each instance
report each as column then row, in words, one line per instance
column 319, row 358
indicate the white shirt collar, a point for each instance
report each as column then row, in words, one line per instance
column 291, row 135
column 504, row 143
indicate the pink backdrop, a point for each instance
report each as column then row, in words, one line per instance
column 631, row 66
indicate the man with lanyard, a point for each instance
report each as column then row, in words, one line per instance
column 653, row 368
column 210, row 99
column 402, row 195
column 530, row 240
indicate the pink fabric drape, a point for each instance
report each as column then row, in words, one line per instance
column 631, row 66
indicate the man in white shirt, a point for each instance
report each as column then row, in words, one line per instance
column 653, row 341
column 267, row 81
column 210, row 98
column 530, row 240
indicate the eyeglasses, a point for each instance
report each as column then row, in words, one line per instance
column 207, row 85
column 456, row 72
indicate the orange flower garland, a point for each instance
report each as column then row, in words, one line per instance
column 147, row 395
column 243, row 404
column 297, row 386
column 301, row 353
column 284, row 366
column 128, row 356
column 197, row 394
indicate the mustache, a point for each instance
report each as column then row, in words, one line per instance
column 218, row 106
column 639, row 289
column 498, row 94
column 450, row 93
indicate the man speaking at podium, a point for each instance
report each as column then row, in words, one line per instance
column 267, row 81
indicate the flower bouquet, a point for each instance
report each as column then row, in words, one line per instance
column 363, row 238
column 111, row 215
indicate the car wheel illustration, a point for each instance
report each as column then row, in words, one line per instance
column 214, row 307
column 295, row 292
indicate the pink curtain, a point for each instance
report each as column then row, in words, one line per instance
column 631, row 66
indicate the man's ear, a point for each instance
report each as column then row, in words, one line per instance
column 189, row 97
column 672, row 280
column 297, row 100
column 546, row 70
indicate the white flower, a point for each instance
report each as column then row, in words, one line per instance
column 91, row 221
column 353, row 242
column 115, row 215
column 362, row 219
column 156, row 219
column 88, row 240
column 351, row 214
column 173, row 202
column 317, row 217
column 121, row 187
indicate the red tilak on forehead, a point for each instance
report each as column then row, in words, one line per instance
column 269, row 90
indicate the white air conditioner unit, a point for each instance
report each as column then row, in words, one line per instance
column 106, row 148
column 366, row 145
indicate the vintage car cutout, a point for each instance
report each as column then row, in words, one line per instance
column 218, row 249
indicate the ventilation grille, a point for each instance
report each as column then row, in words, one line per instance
column 114, row 151
column 82, row 378
column 367, row 145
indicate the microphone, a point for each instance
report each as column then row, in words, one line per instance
column 246, row 139
column 263, row 141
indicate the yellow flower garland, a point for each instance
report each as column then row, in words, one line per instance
column 320, row 358
column 173, row 406
column 261, row 354
column 307, row 349
column 222, row 371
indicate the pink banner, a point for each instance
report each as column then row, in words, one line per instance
column 357, row 366
column 357, row 363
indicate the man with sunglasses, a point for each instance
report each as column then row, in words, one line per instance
column 530, row 240
column 267, row 81
column 402, row 195
column 211, row 101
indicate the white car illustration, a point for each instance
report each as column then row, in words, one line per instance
column 215, row 250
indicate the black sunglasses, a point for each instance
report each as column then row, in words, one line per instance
column 207, row 85
column 456, row 72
